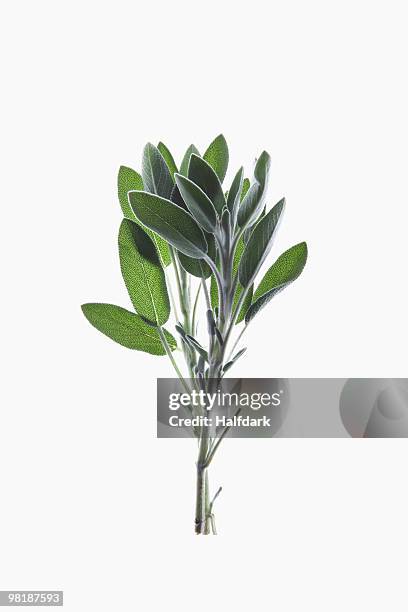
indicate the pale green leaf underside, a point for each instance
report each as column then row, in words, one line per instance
column 282, row 273
column 217, row 156
column 286, row 268
column 143, row 274
column 245, row 186
column 246, row 303
column 126, row 328
column 248, row 298
column 168, row 158
column 213, row 292
column 259, row 245
column 130, row 180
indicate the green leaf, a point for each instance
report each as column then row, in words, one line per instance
column 198, row 203
column 254, row 198
column 262, row 168
column 245, row 304
column 259, row 245
column 217, row 156
column 201, row 173
column 245, row 186
column 248, row 298
column 229, row 365
column 169, row 221
column 213, row 292
column 199, row 267
column 197, row 346
column 129, row 180
column 126, row 328
column 196, row 267
column 156, row 175
column 168, row 158
column 250, row 204
column 143, row 273
column 250, row 228
column 177, row 199
column 185, row 164
column 226, row 221
column 282, row 273
column 234, row 194
column 285, row 270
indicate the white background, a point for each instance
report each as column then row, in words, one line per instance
column 91, row 501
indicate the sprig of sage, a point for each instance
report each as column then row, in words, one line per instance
column 191, row 247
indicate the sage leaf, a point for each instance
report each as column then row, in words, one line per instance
column 143, row 274
column 234, row 193
column 229, row 364
column 155, row 173
column 217, row 156
column 185, row 164
column 213, row 292
column 282, row 273
column 211, row 326
column 245, row 304
column 239, row 354
column 196, row 267
column 201, row 173
column 250, row 204
column 286, row 269
column 130, row 180
column 199, row 267
column 177, row 199
column 226, row 222
column 219, row 336
column 245, row 186
column 198, row 203
column 259, row 245
column 168, row 158
column 250, row 228
column 248, row 298
column 127, row 328
column 254, row 198
column 197, row 346
column 169, row 221
column 262, row 168
column 180, row 330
